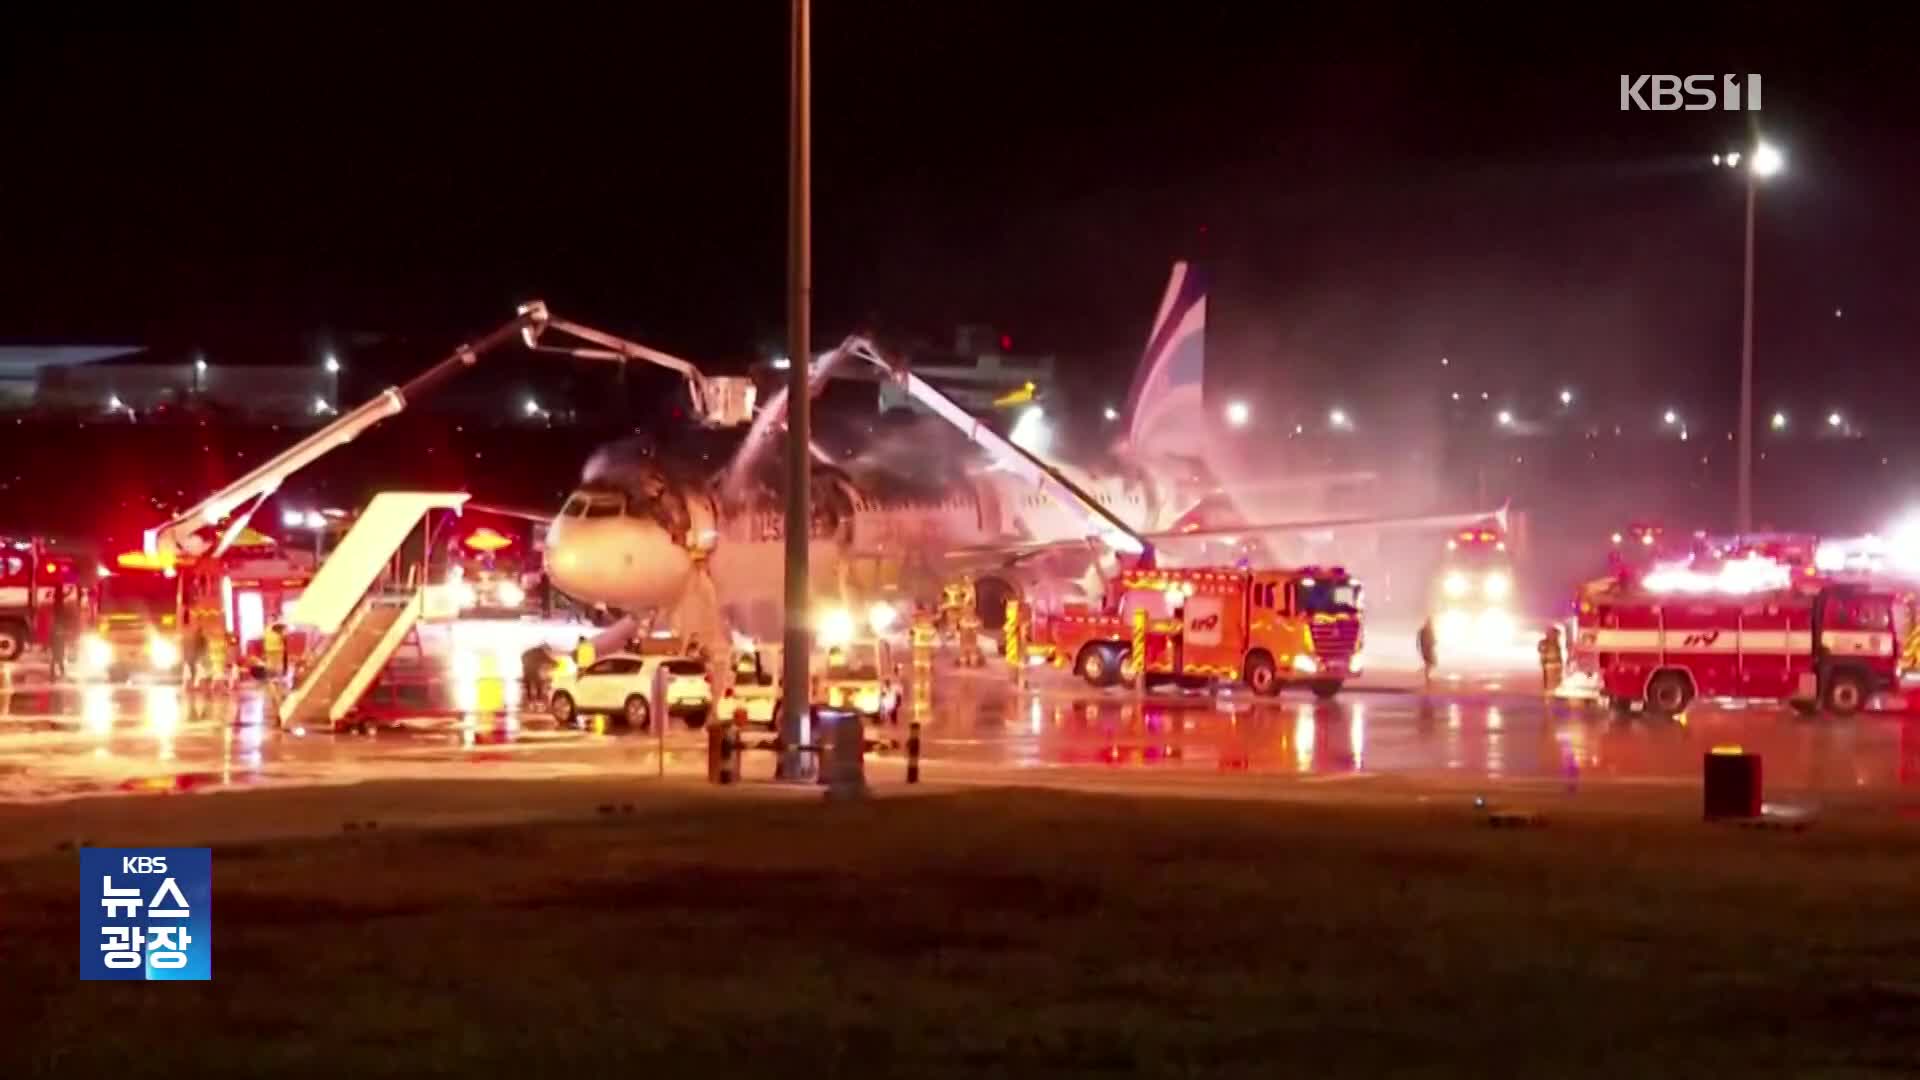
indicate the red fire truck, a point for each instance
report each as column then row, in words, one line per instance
column 31, row 571
column 1267, row 628
column 1812, row 644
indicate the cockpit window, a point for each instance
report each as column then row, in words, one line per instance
column 575, row 506
column 601, row 505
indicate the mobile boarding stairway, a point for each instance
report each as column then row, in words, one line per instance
column 360, row 607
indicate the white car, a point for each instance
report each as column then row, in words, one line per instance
column 621, row 686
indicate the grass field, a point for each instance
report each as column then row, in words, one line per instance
column 1008, row 933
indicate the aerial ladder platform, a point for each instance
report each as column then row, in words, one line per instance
column 1102, row 524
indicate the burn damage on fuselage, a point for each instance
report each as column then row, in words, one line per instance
column 682, row 501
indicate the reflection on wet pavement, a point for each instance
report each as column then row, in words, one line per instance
column 66, row 740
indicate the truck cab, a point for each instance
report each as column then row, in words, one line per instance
column 139, row 634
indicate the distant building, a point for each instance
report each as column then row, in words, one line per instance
column 21, row 367
column 980, row 369
column 259, row 393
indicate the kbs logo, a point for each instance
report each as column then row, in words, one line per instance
column 1694, row 93
column 1702, row 640
column 1204, row 624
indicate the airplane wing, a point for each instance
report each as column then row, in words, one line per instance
column 1427, row 521
column 1016, row 552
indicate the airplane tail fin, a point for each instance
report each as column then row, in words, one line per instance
column 1164, row 408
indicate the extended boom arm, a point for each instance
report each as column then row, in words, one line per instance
column 715, row 400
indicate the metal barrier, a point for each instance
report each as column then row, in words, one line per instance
column 837, row 756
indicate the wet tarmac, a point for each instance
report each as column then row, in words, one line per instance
column 66, row 740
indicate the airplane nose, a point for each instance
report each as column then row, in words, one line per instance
column 621, row 562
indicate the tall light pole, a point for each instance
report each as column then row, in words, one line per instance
column 798, row 637
column 1762, row 162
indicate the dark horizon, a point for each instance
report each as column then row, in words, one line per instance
column 1367, row 194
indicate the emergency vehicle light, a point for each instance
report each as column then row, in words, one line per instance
column 140, row 560
column 488, row 540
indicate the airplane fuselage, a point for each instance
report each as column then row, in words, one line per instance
column 612, row 548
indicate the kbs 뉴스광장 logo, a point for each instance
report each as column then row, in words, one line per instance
column 146, row 913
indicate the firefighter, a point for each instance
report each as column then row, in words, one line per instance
column 217, row 646
column 535, row 664
column 58, row 630
column 1425, row 641
column 970, row 639
column 1552, row 660
column 273, row 651
column 951, row 605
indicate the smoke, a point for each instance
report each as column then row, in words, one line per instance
column 913, row 454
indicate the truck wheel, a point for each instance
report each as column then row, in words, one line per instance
column 13, row 642
column 1097, row 667
column 1325, row 688
column 1669, row 693
column 1262, row 677
column 1846, row 693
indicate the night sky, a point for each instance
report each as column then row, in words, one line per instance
column 1369, row 192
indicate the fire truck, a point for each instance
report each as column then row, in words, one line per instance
column 32, row 570
column 1811, row 643
column 1473, row 593
column 148, row 606
column 1267, row 628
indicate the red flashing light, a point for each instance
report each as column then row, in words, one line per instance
column 52, row 569
column 1006, row 342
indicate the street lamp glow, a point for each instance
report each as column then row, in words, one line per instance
column 1835, row 419
column 1766, row 161
column 1111, row 413
column 1779, row 421
column 1238, row 413
column 333, row 364
column 532, row 407
column 1566, row 397
column 1338, row 418
column 320, row 406
column 1505, row 418
column 200, row 364
column 1031, row 431
column 1670, row 417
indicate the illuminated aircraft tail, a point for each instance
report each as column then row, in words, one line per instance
column 1165, row 415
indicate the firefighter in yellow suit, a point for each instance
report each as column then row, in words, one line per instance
column 1552, row 660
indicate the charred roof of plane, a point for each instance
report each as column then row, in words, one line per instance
column 661, row 488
